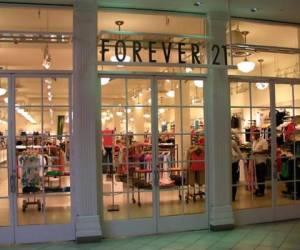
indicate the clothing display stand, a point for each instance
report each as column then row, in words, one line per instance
column 113, row 207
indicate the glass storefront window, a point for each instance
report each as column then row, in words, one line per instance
column 254, row 41
column 42, row 37
column 150, row 40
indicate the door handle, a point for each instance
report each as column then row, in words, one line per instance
column 157, row 178
column 13, row 183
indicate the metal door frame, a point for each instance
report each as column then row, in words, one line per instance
column 33, row 233
column 157, row 223
column 275, row 212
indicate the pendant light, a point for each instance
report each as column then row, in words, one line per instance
column 246, row 66
column 104, row 80
column 120, row 52
column 161, row 110
column 171, row 92
column 2, row 90
column 47, row 59
column 261, row 85
column 138, row 105
column 198, row 83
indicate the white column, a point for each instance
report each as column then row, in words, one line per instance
column 86, row 125
column 217, row 108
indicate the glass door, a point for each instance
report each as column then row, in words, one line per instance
column 35, row 186
column 180, row 154
column 265, row 128
column 127, row 152
column 6, row 183
column 149, row 128
column 251, row 133
column 41, row 162
column 287, row 127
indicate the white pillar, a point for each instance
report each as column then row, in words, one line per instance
column 217, row 108
column 85, row 147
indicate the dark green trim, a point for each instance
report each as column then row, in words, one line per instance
column 17, row 4
column 154, row 11
column 264, row 21
column 88, row 239
column 217, row 228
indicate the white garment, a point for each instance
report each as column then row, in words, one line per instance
column 167, row 159
column 258, row 146
column 236, row 152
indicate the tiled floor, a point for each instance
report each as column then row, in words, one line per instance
column 283, row 235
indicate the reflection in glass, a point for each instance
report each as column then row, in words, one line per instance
column 5, row 212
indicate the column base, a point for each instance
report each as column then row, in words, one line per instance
column 88, row 229
column 221, row 218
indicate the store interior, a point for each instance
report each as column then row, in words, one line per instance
column 38, row 39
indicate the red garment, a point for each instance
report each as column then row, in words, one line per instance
column 289, row 131
column 107, row 136
column 201, row 141
column 197, row 161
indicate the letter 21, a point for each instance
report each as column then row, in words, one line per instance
column 216, row 57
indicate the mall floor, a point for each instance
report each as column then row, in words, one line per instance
column 283, row 235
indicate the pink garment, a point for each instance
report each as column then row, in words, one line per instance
column 251, row 176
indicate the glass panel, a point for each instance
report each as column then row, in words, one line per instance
column 239, row 94
column 260, row 97
column 5, row 212
column 56, row 121
column 30, row 209
column 150, row 28
column 28, row 91
column 55, row 91
column 126, row 156
column 42, row 151
column 285, row 191
column 192, row 120
column 113, row 91
column 245, row 199
column 192, row 92
column 28, row 124
column 168, row 92
column 140, row 200
column 168, row 121
column 3, row 181
column 297, row 95
column 242, row 123
column 58, row 209
column 284, row 95
column 139, row 92
column 115, row 205
column 260, row 32
column 139, row 123
column 3, row 92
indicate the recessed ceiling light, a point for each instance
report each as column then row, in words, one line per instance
column 198, row 3
column 254, row 9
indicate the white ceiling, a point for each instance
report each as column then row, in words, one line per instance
column 279, row 10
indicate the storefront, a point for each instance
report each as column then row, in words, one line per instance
column 121, row 122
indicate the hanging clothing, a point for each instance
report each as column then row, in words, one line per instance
column 235, row 121
column 197, row 160
column 289, row 131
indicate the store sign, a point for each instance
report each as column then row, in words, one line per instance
column 136, row 47
column 121, row 50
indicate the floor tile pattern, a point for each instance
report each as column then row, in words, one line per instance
column 281, row 235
